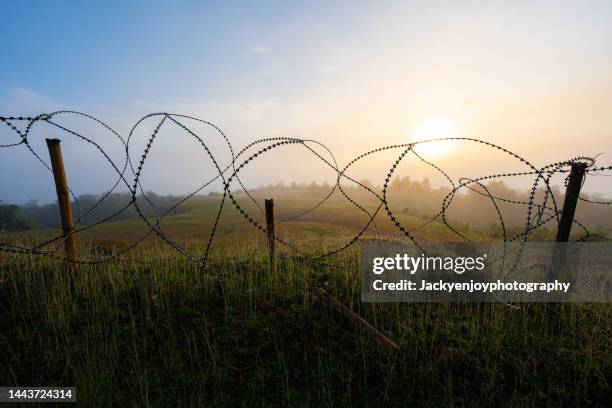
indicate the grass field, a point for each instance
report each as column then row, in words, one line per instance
column 151, row 330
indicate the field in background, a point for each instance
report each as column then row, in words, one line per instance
column 193, row 221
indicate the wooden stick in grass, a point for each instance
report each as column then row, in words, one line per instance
column 382, row 339
column 63, row 201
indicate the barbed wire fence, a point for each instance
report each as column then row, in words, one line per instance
column 538, row 213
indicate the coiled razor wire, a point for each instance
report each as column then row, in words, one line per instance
column 129, row 173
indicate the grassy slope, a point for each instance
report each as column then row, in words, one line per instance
column 152, row 331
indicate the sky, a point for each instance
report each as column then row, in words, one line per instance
column 534, row 77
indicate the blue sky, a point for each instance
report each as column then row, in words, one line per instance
column 102, row 52
column 532, row 76
column 95, row 53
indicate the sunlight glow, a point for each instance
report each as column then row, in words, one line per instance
column 435, row 128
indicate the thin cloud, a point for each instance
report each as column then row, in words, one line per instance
column 26, row 102
column 259, row 49
column 277, row 62
column 328, row 69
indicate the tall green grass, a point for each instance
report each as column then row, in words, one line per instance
column 152, row 330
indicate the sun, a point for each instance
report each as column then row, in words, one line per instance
column 435, row 128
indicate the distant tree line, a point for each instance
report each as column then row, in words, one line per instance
column 471, row 208
column 12, row 219
column 47, row 215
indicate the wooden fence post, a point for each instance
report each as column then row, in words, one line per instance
column 270, row 228
column 63, row 200
column 571, row 200
column 559, row 267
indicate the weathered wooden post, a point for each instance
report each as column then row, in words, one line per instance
column 63, row 200
column 572, row 193
column 270, row 228
column 559, row 267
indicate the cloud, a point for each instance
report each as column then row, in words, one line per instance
column 259, row 49
column 26, row 102
column 328, row 69
column 236, row 112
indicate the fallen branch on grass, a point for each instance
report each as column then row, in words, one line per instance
column 382, row 339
